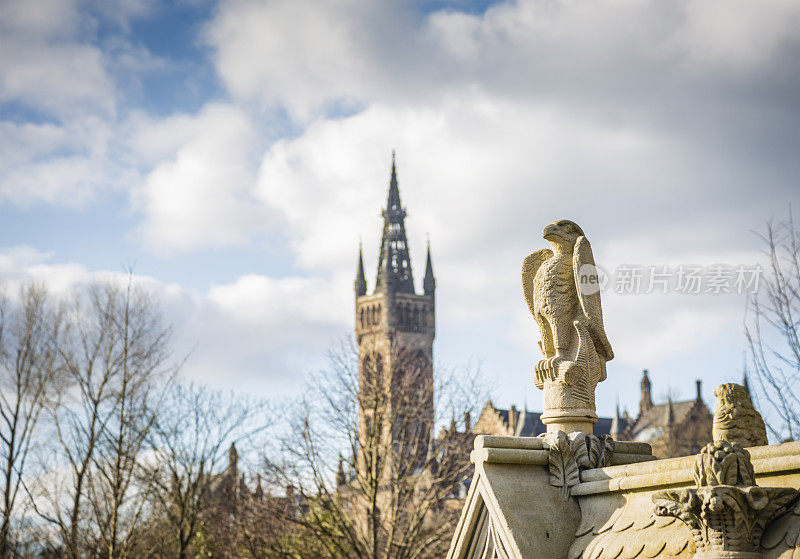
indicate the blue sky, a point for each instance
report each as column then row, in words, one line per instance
column 234, row 152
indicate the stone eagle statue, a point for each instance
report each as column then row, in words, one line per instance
column 735, row 419
column 562, row 290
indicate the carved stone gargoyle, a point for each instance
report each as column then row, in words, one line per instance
column 726, row 511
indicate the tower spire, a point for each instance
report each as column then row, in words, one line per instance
column 341, row 477
column 429, row 282
column 394, row 192
column 394, row 265
column 670, row 412
column 361, row 280
column 616, row 422
column 646, row 401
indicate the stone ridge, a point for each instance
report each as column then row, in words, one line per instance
column 766, row 460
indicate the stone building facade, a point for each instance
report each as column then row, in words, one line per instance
column 679, row 428
column 515, row 422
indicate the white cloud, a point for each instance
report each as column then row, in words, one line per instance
column 268, row 332
column 49, row 17
column 58, row 75
column 257, row 334
column 62, row 164
column 298, row 54
column 482, row 176
column 50, row 70
column 45, row 62
column 201, row 193
column 732, row 34
column 258, row 299
column 14, row 261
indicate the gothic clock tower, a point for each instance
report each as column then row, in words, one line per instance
column 395, row 328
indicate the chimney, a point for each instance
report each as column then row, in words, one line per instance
column 467, row 422
column 646, row 402
column 670, row 412
column 616, row 422
column 512, row 418
column 341, row 478
column 699, row 390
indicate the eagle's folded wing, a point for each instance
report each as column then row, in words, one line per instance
column 590, row 302
column 529, row 267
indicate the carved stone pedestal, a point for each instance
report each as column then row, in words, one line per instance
column 569, row 420
column 568, row 398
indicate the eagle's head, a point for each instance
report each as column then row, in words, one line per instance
column 562, row 232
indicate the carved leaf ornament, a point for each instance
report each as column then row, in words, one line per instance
column 726, row 511
column 569, row 453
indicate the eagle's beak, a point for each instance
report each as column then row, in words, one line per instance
column 550, row 231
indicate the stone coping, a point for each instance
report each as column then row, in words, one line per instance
column 537, row 443
column 531, row 451
column 783, row 458
column 633, row 467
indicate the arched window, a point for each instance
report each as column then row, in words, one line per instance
column 416, row 316
column 372, row 376
column 419, row 372
column 366, row 371
column 378, row 316
column 361, row 318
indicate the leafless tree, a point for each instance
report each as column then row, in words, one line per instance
column 369, row 478
column 191, row 437
column 29, row 332
column 773, row 331
column 115, row 352
column 245, row 526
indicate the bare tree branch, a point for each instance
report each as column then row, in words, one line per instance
column 29, row 334
column 772, row 329
column 367, row 475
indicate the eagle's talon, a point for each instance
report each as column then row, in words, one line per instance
column 552, row 363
